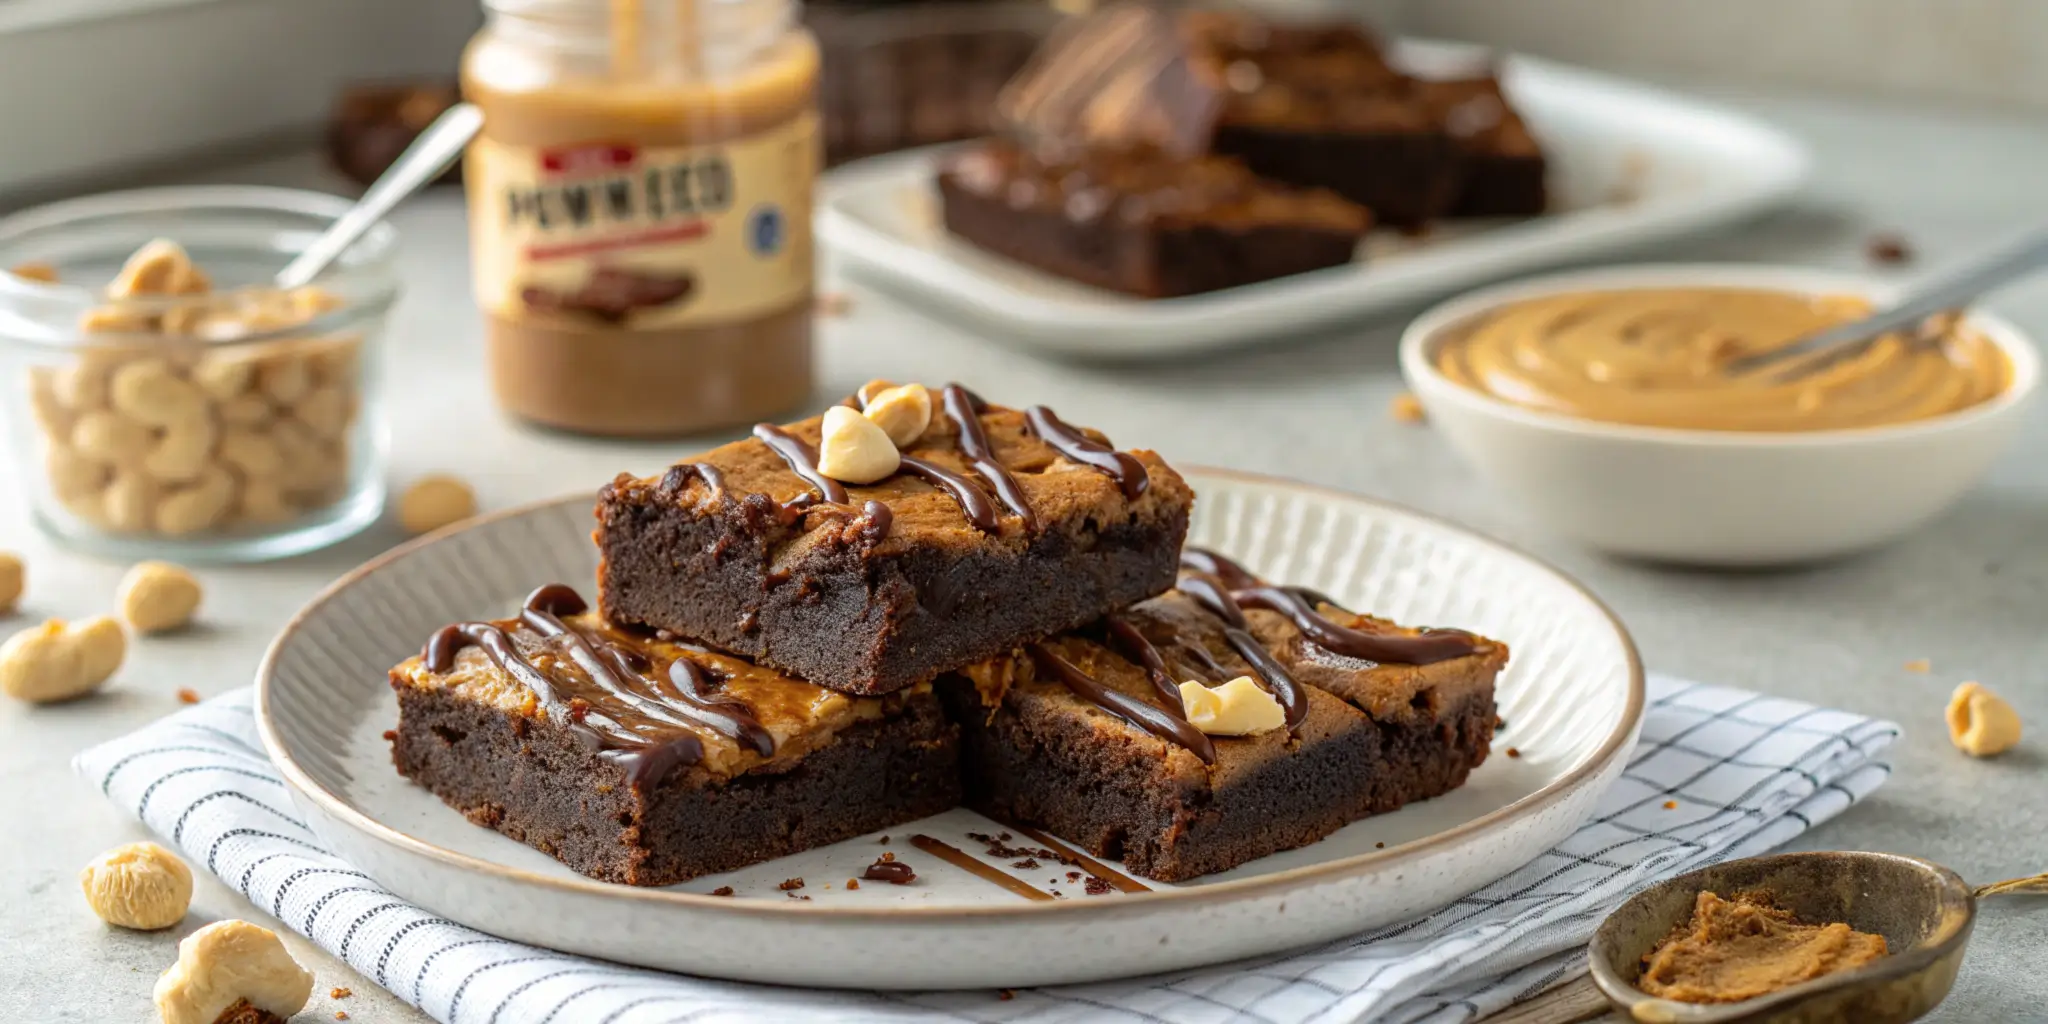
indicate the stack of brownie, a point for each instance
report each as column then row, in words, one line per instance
column 1317, row 133
column 785, row 659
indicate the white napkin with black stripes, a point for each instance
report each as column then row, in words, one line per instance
column 1746, row 772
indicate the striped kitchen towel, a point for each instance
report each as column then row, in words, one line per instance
column 1746, row 772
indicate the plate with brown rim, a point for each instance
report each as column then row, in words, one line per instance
column 1572, row 698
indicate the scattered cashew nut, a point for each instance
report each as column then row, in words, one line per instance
column 1981, row 723
column 157, row 597
column 56, row 661
column 853, row 449
column 13, row 579
column 902, row 412
column 433, row 502
column 229, row 962
column 140, row 885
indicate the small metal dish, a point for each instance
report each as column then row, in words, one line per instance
column 1923, row 910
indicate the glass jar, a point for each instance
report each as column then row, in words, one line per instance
column 640, row 210
column 169, row 401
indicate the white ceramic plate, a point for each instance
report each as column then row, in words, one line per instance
column 1572, row 698
column 1629, row 165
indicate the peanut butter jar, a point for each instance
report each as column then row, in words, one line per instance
column 640, row 210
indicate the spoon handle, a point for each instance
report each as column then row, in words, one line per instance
column 2037, row 884
column 433, row 152
column 1952, row 290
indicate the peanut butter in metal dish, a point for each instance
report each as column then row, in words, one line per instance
column 1661, row 357
column 640, row 208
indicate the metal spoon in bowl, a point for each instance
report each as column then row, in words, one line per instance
column 433, row 152
column 1947, row 293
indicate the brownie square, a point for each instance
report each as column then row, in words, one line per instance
column 1369, row 737
column 1504, row 167
column 1135, row 220
column 666, row 761
column 1319, row 106
column 873, row 588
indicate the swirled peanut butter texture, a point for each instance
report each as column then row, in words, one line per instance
column 1662, row 357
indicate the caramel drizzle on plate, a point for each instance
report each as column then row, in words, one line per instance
column 1225, row 585
column 684, row 697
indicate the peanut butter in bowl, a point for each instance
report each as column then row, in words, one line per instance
column 1663, row 357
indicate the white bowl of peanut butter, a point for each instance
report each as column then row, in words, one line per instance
column 1601, row 403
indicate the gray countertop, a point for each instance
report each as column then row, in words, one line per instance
column 1969, row 593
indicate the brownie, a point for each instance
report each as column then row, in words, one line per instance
column 1504, row 168
column 648, row 762
column 1001, row 526
column 373, row 123
column 1320, row 106
column 1133, row 219
column 1364, row 736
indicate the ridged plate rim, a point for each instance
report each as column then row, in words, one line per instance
column 1615, row 745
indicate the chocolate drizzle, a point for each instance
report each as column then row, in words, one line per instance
column 963, row 407
column 679, row 476
column 683, row 698
column 802, row 460
column 1122, row 467
column 979, row 510
column 1170, row 727
column 1299, row 604
column 1237, row 632
column 1132, row 644
column 877, row 519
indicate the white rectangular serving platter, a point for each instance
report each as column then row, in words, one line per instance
column 1629, row 165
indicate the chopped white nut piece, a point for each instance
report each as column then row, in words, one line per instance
column 13, row 579
column 228, row 962
column 157, row 597
column 853, row 449
column 433, row 502
column 140, row 885
column 1239, row 707
column 1981, row 723
column 902, row 412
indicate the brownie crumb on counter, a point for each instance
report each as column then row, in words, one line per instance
column 791, row 883
column 723, row 890
column 1888, row 248
column 895, row 872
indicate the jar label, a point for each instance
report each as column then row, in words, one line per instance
column 612, row 234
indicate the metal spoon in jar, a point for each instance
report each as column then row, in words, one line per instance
column 434, row 151
column 1947, row 293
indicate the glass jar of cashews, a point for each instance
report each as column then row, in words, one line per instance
column 164, row 399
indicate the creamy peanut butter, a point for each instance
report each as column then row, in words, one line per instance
column 640, row 207
column 1660, row 357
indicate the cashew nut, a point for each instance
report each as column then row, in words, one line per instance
column 13, row 577
column 326, row 410
column 158, row 268
column 853, row 449
column 189, row 510
column 255, row 454
column 140, row 885
column 285, row 377
column 903, row 412
column 1981, row 723
column 229, row 962
column 50, row 412
column 263, row 503
column 182, row 452
column 111, row 437
column 433, row 502
column 126, row 503
column 249, row 410
column 224, row 375
column 149, row 392
column 157, row 597
column 56, row 661
column 72, row 477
